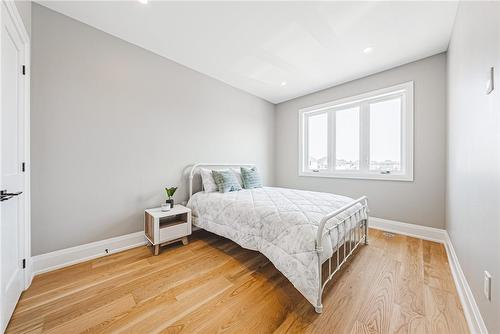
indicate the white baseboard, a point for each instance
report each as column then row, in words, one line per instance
column 412, row 230
column 65, row 257
column 28, row 276
column 471, row 311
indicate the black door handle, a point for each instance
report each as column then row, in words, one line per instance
column 4, row 195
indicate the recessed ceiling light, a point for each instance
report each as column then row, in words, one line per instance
column 143, row 1
column 283, row 83
column 368, row 49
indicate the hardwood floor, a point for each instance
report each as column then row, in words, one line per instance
column 396, row 284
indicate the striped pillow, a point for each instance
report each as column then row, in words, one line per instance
column 226, row 180
column 251, row 178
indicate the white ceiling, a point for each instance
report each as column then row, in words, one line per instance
column 259, row 46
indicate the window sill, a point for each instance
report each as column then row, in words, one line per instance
column 366, row 176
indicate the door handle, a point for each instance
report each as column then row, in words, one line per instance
column 4, row 195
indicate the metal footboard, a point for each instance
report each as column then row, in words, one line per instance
column 351, row 239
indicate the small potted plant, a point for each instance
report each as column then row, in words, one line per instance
column 170, row 193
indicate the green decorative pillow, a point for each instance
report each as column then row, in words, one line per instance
column 251, row 178
column 226, row 180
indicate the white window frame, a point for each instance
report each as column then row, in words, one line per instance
column 405, row 91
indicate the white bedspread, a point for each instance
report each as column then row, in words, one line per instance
column 280, row 223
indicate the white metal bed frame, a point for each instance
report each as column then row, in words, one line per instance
column 357, row 235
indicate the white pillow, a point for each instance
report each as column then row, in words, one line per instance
column 237, row 172
column 208, row 180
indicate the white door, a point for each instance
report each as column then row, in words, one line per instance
column 11, row 159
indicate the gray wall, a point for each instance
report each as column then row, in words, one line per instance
column 473, row 187
column 419, row 202
column 112, row 124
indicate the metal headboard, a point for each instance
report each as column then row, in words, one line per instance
column 204, row 164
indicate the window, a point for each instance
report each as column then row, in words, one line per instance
column 317, row 145
column 369, row 136
column 347, row 139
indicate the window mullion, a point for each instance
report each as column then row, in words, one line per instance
column 364, row 140
column 331, row 140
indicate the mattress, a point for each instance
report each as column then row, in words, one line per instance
column 280, row 223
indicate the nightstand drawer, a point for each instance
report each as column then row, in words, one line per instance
column 174, row 232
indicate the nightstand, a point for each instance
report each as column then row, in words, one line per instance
column 165, row 227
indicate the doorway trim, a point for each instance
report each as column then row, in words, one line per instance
column 11, row 8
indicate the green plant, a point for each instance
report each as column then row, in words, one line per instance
column 170, row 192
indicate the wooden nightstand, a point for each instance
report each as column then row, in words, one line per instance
column 163, row 228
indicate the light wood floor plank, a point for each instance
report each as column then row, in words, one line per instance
column 436, row 266
column 376, row 313
column 444, row 312
column 94, row 317
column 397, row 284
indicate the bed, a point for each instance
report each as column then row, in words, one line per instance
column 307, row 235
